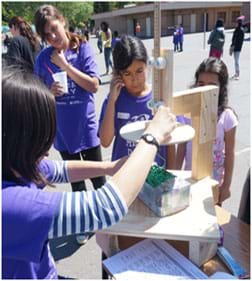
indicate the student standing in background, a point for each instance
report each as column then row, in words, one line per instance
column 106, row 36
column 213, row 71
column 237, row 42
column 217, row 39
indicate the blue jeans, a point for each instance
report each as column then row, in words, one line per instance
column 236, row 60
column 107, row 57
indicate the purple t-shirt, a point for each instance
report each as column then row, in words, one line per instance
column 128, row 109
column 76, row 118
column 27, row 215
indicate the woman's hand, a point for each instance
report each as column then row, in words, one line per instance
column 116, row 85
column 161, row 126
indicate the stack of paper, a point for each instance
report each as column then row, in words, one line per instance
column 154, row 259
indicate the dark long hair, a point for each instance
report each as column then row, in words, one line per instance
column 28, row 124
column 126, row 50
column 49, row 12
column 216, row 66
column 25, row 30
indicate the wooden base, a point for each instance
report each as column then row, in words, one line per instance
column 133, row 131
column 196, row 224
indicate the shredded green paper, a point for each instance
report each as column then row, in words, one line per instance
column 157, row 175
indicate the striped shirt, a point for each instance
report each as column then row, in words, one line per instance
column 85, row 211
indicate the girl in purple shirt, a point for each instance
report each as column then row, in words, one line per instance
column 128, row 98
column 76, row 135
column 32, row 216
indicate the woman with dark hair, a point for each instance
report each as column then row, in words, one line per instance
column 76, row 135
column 217, row 39
column 32, row 216
column 24, row 46
column 213, row 71
column 106, row 36
column 237, row 42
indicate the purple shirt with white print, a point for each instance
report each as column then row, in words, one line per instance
column 76, row 118
column 128, row 109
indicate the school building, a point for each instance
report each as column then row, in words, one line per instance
column 194, row 16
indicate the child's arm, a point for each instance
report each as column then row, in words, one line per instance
column 84, row 80
column 107, row 129
column 229, row 139
column 180, row 156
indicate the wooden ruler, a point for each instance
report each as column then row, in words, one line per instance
column 162, row 84
column 157, row 33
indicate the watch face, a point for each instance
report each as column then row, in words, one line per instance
column 149, row 138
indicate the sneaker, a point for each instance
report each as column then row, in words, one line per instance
column 235, row 77
column 82, row 239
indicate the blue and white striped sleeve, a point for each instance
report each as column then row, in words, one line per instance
column 54, row 171
column 88, row 211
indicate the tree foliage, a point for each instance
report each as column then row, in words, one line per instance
column 77, row 13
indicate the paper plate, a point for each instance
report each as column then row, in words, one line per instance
column 133, row 131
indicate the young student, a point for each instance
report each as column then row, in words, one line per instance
column 237, row 42
column 24, row 45
column 99, row 40
column 106, row 36
column 176, row 39
column 181, row 37
column 76, row 136
column 213, row 71
column 128, row 98
column 32, row 216
column 216, row 39
column 115, row 39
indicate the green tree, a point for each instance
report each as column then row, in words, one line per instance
column 74, row 12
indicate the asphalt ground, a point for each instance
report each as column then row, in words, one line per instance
column 84, row 262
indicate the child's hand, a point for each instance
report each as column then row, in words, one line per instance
column 59, row 59
column 224, row 193
column 116, row 85
column 116, row 165
column 56, row 89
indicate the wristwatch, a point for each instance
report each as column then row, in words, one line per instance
column 149, row 138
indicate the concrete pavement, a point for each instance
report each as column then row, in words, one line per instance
column 74, row 262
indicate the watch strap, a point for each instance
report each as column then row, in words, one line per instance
column 150, row 139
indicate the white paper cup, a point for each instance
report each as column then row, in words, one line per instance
column 61, row 77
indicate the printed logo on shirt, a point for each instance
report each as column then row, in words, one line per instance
column 123, row 115
column 72, row 56
column 141, row 117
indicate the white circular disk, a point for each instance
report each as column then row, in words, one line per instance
column 133, row 131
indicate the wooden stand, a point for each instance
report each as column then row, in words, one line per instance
column 197, row 224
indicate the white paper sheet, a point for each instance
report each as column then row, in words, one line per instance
column 152, row 259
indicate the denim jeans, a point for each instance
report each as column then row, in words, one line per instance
column 236, row 60
column 107, row 57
